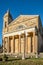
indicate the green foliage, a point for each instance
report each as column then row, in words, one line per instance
column 23, row 62
column 0, row 59
column 5, row 58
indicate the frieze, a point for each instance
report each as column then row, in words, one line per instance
column 21, row 27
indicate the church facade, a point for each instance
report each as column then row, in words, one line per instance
column 22, row 35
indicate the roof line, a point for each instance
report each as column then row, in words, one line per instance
column 22, row 21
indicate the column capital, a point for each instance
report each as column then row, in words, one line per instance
column 19, row 34
column 26, row 33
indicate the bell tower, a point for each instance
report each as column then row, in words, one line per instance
column 7, row 20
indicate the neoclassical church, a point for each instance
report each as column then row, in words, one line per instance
column 22, row 35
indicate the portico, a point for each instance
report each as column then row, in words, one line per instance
column 20, row 42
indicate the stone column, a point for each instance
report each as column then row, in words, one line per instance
column 36, row 45
column 12, row 45
column 34, row 42
column 26, row 43
column 8, row 45
column 19, row 42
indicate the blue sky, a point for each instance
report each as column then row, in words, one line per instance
column 18, row 7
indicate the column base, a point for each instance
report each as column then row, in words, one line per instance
column 23, row 57
column 36, row 55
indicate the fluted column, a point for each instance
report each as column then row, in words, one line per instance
column 19, row 42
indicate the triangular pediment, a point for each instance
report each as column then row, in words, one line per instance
column 21, row 22
column 23, row 18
